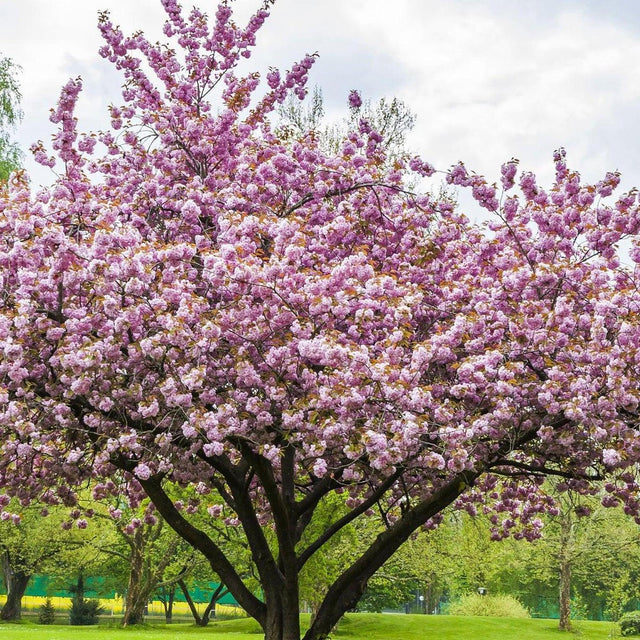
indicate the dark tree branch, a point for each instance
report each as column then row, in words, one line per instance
column 339, row 524
column 199, row 540
column 345, row 592
column 309, row 197
column 542, row 470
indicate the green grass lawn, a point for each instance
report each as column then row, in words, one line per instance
column 354, row 627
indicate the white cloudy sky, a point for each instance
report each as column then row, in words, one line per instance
column 487, row 79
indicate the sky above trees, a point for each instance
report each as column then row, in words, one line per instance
column 488, row 80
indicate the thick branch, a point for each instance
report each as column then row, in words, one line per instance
column 308, row 197
column 527, row 469
column 346, row 519
column 265, row 474
column 319, row 490
column 199, row 540
column 349, row 587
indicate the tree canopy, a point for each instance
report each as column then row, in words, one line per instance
column 196, row 301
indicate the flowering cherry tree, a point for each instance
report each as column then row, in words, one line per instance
column 194, row 302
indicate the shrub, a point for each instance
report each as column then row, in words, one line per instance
column 501, row 606
column 84, row 612
column 47, row 613
column 630, row 624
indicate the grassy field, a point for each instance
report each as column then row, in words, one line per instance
column 353, row 627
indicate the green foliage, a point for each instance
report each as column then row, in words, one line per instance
column 83, row 612
column 10, row 115
column 47, row 613
column 415, row 577
column 297, row 118
column 602, row 548
column 386, row 593
column 325, row 565
column 500, row 606
column 630, row 624
column 618, row 597
column 34, row 545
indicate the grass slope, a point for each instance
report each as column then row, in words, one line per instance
column 353, row 627
column 414, row 627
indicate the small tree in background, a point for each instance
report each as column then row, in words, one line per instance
column 83, row 611
column 47, row 613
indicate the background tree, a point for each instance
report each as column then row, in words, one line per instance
column 147, row 568
column 10, row 115
column 139, row 548
column 83, row 611
column 390, row 118
column 47, row 613
column 222, row 526
column 29, row 545
column 206, row 305
column 588, row 554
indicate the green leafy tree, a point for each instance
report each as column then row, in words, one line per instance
column 586, row 564
column 10, row 115
column 47, row 613
column 29, row 545
column 152, row 546
column 139, row 550
column 83, row 611
column 594, row 553
column 222, row 525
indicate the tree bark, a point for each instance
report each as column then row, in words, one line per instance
column 16, row 582
column 137, row 594
column 565, row 595
column 192, row 607
column 168, row 604
column 210, row 611
column 565, row 574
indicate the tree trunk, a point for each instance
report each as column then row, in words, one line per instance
column 16, row 586
column 167, row 599
column 168, row 616
column 16, row 582
column 187, row 596
column 279, row 614
column 137, row 594
column 283, row 616
column 135, row 608
column 565, row 574
column 210, row 612
column 565, row 596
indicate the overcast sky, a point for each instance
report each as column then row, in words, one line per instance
column 487, row 79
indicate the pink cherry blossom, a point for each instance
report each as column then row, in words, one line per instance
column 355, row 100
